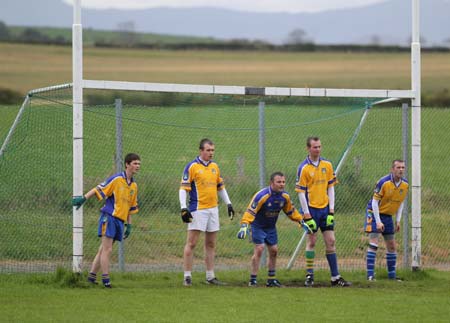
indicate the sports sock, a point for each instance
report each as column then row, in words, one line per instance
column 271, row 274
column 105, row 280
column 332, row 262
column 210, row 274
column 310, row 254
column 92, row 277
column 253, row 277
column 187, row 274
column 370, row 262
column 391, row 261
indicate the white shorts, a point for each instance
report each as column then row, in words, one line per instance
column 205, row 220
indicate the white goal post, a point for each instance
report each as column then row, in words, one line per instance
column 79, row 84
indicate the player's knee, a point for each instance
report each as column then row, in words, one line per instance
column 373, row 246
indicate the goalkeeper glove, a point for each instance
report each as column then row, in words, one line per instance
column 243, row 231
column 305, row 226
column 330, row 219
column 230, row 211
column 78, row 201
column 186, row 216
column 127, row 231
column 312, row 225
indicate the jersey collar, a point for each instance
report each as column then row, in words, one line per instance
column 204, row 163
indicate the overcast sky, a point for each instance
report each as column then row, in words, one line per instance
column 242, row 5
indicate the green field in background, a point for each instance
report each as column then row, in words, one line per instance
column 26, row 67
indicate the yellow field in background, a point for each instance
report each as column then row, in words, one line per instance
column 26, row 67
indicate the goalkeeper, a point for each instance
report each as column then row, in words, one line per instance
column 120, row 194
column 262, row 214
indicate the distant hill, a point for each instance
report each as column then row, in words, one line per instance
column 385, row 23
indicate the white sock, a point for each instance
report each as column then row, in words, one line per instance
column 334, row 278
column 210, row 274
column 187, row 274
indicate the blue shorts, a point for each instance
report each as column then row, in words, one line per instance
column 110, row 226
column 370, row 225
column 320, row 216
column 268, row 236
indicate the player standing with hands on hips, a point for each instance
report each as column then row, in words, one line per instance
column 262, row 214
column 315, row 186
column 120, row 194
column 202, row 179
column 386, row 203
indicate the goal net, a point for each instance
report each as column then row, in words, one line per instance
column 254, row 135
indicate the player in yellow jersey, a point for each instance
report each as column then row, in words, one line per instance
column 315, row 187
column 386, row 203
column 202, row 180
column 120, row 194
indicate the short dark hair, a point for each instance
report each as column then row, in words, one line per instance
column 275, row 174
column 205, row 141
column 131, row 157
column 397, row 161
column 309, row 139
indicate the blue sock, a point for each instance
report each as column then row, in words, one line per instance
column 370, row 263
column 271, row 274
column 253, row 277
column 105, row 280
column 92, row 277
column 391, row 261
column 332, row 262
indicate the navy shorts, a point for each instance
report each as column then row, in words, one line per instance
column 320, row 216
column 110, row 226
column 370, row 225
column 268, row 236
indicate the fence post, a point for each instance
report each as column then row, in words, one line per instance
column 118, row 162
column 262, row 162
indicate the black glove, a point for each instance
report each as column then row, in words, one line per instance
column 230, row 211
column 186, row 216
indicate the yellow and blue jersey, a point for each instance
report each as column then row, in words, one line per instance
column 265, row 207
column 120, row 196
column 314, row 181
column 202, row 181
column 389, row 195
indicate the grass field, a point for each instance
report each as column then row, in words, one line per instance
column 422, row 297
column 26, row 67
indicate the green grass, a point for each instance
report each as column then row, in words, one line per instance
column 422, row 297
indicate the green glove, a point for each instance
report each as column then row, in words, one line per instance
column 78, row 201
column 243, row 231
column 330, row 219
column 304, row 226
column 127, row 231
column 311, row 224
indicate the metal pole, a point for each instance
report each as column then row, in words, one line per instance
column 262, row 161
column 405, row 144
column 416, row 181
column 15, row 124
column 77, row 75
column 118, row 160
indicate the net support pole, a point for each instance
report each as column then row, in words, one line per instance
column 77, row 76
column 15, row 124
column 118, row 162
column 405, row 215
column 416, row 202
column 262, row 161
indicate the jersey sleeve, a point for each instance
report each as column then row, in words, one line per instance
column 332, row 180
column 301, row 184
column 290, row 210
column 105, row 189
column 134, row 203
column 253, row 208
column 378, row 192
column 187, row 178
column 220, row 182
